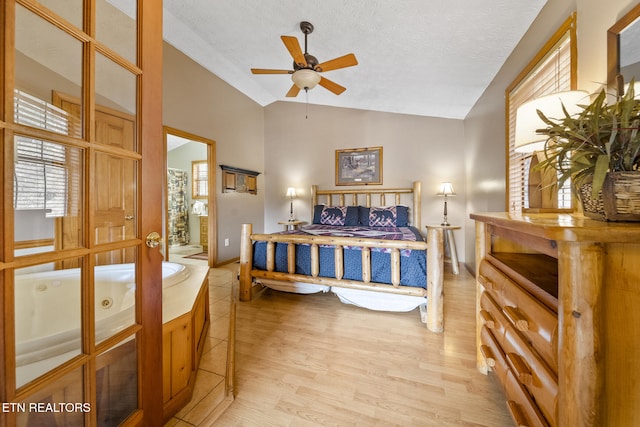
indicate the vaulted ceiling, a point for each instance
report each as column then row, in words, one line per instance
column 421, row 57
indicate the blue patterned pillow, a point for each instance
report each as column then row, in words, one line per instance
column 403, row 216
column 333, row 215
column 383, row 217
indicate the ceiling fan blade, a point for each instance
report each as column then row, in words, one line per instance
column 293, row 92
column 293, row 46
column 348, row 60
column 331, row 86
column 267, row 71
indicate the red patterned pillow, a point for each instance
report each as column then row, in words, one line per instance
column 333, row 215
column 383, row 217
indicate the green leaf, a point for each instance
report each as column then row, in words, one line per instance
column 599, row 174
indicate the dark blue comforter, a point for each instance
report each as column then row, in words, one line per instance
column 413, row 264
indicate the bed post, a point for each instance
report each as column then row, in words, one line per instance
column 314, row 198
column 435, row 279
column 417, row 204
column 246, row 261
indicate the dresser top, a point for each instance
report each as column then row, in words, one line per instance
column 563, row 227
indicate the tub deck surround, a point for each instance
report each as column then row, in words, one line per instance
column 178, row 298
column 186, row 319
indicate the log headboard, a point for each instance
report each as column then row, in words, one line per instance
column 363, row 197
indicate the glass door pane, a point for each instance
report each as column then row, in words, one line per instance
column 48, row 318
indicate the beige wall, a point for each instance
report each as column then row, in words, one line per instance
column 300, row 152
column 485, row 124
column 291, row 150
column 196, row 101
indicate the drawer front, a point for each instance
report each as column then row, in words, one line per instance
column 522, row 408
column 533, row 374
column 493, row 354
column 534, row 320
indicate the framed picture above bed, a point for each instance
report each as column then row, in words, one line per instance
column 359, row 166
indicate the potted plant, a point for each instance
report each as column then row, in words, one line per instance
column 598, row 149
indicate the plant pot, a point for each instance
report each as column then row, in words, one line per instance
column 619, row 199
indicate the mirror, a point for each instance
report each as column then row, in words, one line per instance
column 623, row 48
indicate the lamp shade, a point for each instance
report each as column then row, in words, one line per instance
column 305, row 78
column 291, row 192
column 636, row 89
column 527, row 140
column 446, row 189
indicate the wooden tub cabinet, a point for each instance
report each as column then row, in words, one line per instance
column 183, row 339
column 557, row 317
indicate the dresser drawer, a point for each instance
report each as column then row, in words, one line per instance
column 533, row 374
column 493, row 354
column 522, row 408
column 531, row 318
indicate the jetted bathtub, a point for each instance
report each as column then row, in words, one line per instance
column 48, row 311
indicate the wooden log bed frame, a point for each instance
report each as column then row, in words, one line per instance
column 433, row 246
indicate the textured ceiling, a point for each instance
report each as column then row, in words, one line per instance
column 421, row 57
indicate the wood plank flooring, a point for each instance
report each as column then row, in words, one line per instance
column 309, row 360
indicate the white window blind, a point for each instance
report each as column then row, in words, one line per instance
column 35, row 112
column 551, row 74
column 40, row 176
column 41, row 179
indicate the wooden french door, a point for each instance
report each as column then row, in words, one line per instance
column 80, row 283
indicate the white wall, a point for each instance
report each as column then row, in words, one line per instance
column 300, row 152
column 484, row 127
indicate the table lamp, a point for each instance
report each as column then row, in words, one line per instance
column 291, row 193
column 446, row 189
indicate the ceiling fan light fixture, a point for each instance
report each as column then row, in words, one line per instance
column 305, row 79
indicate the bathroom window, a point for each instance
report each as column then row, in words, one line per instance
column 200, row 180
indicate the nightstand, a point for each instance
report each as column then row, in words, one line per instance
column 291, row 225
column 451, row 242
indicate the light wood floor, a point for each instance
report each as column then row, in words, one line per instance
column 308, row 360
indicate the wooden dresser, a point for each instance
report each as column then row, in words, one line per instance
column 558, row 317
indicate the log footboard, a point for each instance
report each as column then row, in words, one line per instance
column 435, row 276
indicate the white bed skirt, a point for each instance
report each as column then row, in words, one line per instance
column 294, row 287
column 380, row 301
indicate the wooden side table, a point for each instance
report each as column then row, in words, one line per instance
column 451, row 242
column 291, row 225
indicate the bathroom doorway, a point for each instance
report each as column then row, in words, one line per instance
column 189, row 202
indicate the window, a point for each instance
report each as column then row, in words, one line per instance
column 200, row 183
column 41, row 179
column 552, row 70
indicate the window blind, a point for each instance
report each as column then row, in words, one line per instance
column 42, row 170
column 551, row 74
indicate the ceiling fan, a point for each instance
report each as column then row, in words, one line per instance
column 306, row 69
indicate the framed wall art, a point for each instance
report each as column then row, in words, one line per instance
column 359, row 166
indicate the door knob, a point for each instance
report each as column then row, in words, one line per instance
column 153, row 239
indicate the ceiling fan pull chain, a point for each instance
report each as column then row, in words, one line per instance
column 306, row 111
